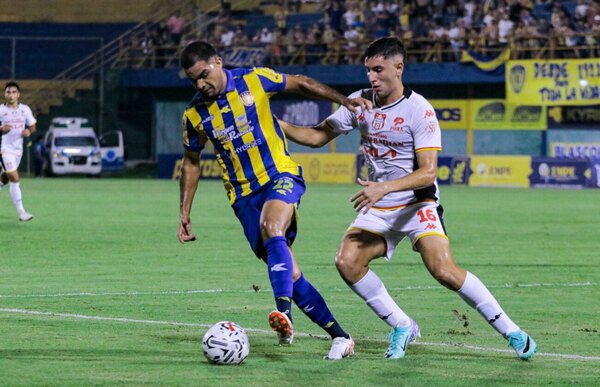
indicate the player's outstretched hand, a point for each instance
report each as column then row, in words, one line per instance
column 368, row 196
column 358, row 104
column 185, row 231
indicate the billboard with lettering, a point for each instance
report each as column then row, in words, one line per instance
column 559, row 173
column 452, row 114
column 575, row 150
column 502, row 171
column 574, row 117
column 553, row 82
column 327, row 167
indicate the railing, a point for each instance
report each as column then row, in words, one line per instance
column 418, row 50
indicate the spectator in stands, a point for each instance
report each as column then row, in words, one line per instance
column 265, row 36
column 240, row 38
column 470, row 13
column 176, row 24
column 280, row 17
column 227, row 37
column 438, row 35
column 505, row 27
column 226, row 8
column 314, row 44
column 457, row 35
column 352, row 48
column 276, row 49
column 490, row 34
column 351, row 15
column 333, row 13
column 333, row 46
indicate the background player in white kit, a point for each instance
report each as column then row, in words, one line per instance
column 16, row 122
column 400, row 139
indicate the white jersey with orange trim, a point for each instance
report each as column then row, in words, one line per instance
column 390, row 138
column 18, row 118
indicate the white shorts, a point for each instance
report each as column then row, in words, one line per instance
column 10, row 161
column 414, row 220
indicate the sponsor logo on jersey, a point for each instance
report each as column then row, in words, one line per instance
column 429, row 113
column 378, row 121
column 398, row 121
column 361, row 117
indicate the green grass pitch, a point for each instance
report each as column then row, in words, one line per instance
column 96, row 290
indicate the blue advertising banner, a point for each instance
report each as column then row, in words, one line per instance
column 559, row 173
column 594, row 175
column 453, row 170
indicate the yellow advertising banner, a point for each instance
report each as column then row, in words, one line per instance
column 553, row 82
column 452, row 114
column 496, row 114
column 327, row 167
column 500, row 171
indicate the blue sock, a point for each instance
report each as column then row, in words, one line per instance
column 310, row 301
column 281, row 271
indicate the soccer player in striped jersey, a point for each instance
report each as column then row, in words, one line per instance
column 400, row 140
column 264, row 185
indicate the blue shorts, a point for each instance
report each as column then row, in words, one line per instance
column 285, row 187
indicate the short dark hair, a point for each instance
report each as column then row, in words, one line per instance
column 12, row 84
column 196, row 51
column 386, row 48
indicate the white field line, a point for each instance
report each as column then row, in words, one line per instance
column 216, row 290
column 262, row 331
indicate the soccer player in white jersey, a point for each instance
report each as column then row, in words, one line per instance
column 400, row 139
column 16, row 122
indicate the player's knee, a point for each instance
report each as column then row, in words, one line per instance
column 346, row 263
column 446, row 276
column 270, row 229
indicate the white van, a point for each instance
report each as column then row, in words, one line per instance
column 72, row 147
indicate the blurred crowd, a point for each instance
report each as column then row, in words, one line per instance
column 432, row 30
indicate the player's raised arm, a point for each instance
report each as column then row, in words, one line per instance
column 190, row 173
column 312, row 88
column 311, row 136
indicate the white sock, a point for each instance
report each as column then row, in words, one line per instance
column 15, row 193
column 371, row 289
column 479, row 297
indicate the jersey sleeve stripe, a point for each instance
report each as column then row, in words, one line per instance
column 435, row 148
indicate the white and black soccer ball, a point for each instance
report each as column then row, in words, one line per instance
column 226, row 343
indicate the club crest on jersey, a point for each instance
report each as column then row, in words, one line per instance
column 247, row 98
column 378, row 121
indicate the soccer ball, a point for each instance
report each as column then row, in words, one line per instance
column 226, row 343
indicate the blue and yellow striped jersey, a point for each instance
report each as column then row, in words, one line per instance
column 249, row 144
